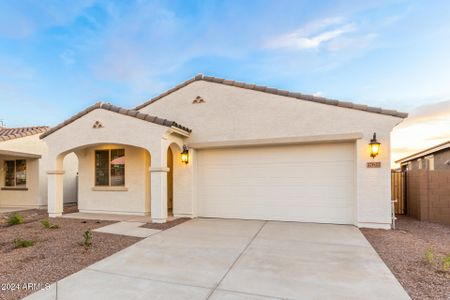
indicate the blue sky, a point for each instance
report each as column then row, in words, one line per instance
column 57, row 57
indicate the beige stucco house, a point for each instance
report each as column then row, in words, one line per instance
column 253, row 152
column 23, row 162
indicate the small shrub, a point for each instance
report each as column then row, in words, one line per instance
column 429, row 256
column 21, row 243
column 446, row 263
column 87, row 239
column 46, row 223
column 15, row 219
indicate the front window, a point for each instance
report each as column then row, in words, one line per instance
column 16, row 173
column 110, row 167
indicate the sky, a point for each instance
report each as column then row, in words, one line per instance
column 58, row 57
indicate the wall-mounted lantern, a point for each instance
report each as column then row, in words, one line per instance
column 185, row 155
column 374, row 146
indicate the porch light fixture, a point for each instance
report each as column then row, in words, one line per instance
column 185, row 155
column 374, row 146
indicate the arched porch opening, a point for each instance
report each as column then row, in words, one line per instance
column 113, row 178
column 173, row 165
column 71, row 167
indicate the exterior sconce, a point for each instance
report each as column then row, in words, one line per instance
column 374, row 146
column 185, row 155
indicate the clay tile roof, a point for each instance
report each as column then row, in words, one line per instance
column 116, row 109
column 275, row 91
column 14, row 133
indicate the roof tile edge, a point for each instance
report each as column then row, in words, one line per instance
column 33, row 131
column 265, row 89
column 116, row 109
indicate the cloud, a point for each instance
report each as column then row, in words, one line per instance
column 16, row 69
column 24, row 18
column 68, row 57
column 312, row 35
column 352, row 42
column 427, row 126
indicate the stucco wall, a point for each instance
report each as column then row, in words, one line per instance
column 182, row 184
column 235, row 114
column 134, row 200
column 36, row 195
column 23, row 198
column 116, row 129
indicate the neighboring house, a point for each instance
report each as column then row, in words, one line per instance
column 254, row 152
column 23, row 161
column 428, row 184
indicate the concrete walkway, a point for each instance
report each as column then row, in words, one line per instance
column 237, row 259
column 128, row 228
column 112, row 217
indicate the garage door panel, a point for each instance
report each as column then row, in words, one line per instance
column 312, row 183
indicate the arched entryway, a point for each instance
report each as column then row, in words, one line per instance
column 112, row 178
column 103, row 124
column 170, row 182
column 173, row 166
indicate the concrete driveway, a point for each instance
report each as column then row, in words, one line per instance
column 237, row 259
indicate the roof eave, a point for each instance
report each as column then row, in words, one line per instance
column 425, row 152
column 116, row 109
column 265, row 89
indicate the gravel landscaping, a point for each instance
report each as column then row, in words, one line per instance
column 56, row 253
column 413, row 252
column 404, row 252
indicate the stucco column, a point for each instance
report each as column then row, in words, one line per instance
column 158, row 182
column 193, row 174
column 55, row 192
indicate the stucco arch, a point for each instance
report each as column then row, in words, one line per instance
column 102, row 125
column 174, row 177
column 133, row 198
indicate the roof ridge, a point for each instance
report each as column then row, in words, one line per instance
column 279, row 92
column 117, row 109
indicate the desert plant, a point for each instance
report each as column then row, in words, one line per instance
column 46, row 223
column 15, row 219
column 446, row 263
column 21, row 243
column 429, row 256
column 87, row 239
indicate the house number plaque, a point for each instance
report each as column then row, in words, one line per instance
column 375, row 164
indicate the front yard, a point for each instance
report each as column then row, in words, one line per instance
column 414, row 252
column 55, row 254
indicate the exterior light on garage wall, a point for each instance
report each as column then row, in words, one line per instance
column 374, row 146
column 185, row 155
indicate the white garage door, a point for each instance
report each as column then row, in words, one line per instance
column 309, row 183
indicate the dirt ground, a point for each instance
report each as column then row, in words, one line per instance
column 167, row 225
column 55, row 254
column 403, row 250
